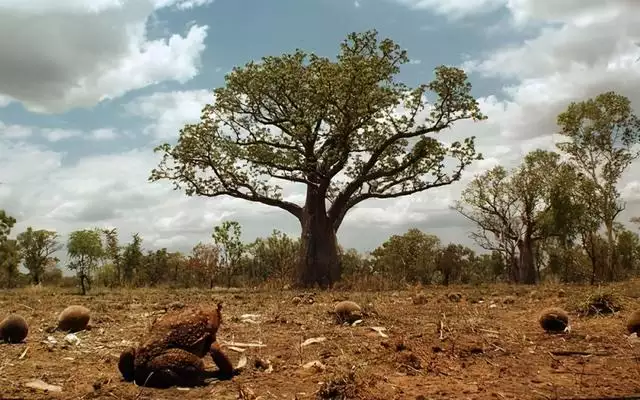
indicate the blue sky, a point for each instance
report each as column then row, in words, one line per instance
column 86, row 95
column 241, row 31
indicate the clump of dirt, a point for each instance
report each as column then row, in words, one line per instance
column 341, row 387
column 420, row 299
column 408, row 362
column 455, row 297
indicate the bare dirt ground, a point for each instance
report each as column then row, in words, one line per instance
column 488, row 345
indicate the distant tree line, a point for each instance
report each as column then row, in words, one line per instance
column 415, row 257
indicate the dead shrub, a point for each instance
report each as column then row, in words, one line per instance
column 599, row 303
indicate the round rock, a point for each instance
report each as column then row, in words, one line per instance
column 74, row 319
column 13, row 329
column 554, row 319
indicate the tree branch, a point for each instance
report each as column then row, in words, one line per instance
column 292, row 208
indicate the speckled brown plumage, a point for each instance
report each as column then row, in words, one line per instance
column 171, row 353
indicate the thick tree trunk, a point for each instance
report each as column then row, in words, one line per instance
column 35, row 274
column 513, row 265
column 446, row 277
column 611, row 273
column 318, row 262
column 82, row 284
column 116, row 263
column 527, row 264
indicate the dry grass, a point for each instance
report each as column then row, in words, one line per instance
column 478, row 348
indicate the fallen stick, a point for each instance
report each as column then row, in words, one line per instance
column 579, row 353
column 238, row 344
column 24, row 353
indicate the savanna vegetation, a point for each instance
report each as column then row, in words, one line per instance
column 334, row 127
column 347, row 131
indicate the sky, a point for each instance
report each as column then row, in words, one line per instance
column 89, row 87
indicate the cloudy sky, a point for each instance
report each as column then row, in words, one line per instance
column 89, row 87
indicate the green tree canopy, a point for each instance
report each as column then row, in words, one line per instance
column 333, row 127
column 9, row 253
column 228, row 237
column 602, row 133
column 85, row 249
column 6, row 224
column 36, row 249
column 411, row 257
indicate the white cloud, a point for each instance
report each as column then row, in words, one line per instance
column 102, row 134
column 56, row 135
column 5, row 101
column 454, row 8
column 75, row 53
column 20, row 132
column 14, row 131
column 168, row 112
column 104, row 190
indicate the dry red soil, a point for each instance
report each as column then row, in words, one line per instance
column 481, row 347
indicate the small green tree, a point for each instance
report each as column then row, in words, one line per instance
column 410, row 258
column 6, row 224
column 454, row 263
column 274, row 257
column 602, row 133
column 354, row 263
column 627, row 251
column 156, row 267
column 227, row 236
column 113, row 252
column 132, row 258
column 9, row 262
column 205, row 261
column 36, row 249
column 84, row 248
column 333, row 127
column 9, row 253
